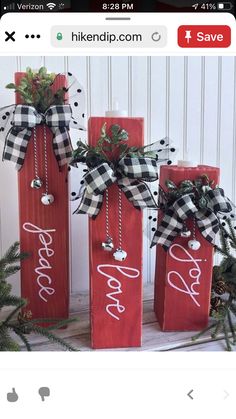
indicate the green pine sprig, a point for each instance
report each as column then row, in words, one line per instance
column 19, row 323
column 198, row 188
column 111, row 147
column 223, row 301
column 35, row 89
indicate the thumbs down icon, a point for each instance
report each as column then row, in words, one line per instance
column 44, row 392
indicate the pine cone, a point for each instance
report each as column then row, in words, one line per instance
column 220, row 287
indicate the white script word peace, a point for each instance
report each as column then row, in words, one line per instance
column 45, row 252
column 193, row 275
column 114, row 308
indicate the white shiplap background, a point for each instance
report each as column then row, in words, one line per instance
column 192, row 100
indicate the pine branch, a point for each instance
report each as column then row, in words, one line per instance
column 228, row 345
column 218, row 328
column 14, row 312
column 203, row 332
column 232, row 231
column 10, row 300
column 51, row 337
column 13, row 255
column 224, row 241
column 220, row 250
column 232, row 327
column 61, row 324
column 10, row 270
column 21, row 325
column 6, row 342
column 21, row 335
column 8, row 261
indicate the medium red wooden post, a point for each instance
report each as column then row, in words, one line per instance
column 183, row 276
column 44, row 230
column 116, row 287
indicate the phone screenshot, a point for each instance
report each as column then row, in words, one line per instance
column 117, row 209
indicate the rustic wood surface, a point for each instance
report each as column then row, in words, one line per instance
column 154, row 339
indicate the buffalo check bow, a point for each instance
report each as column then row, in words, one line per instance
column 25, row 119
column 184, row 207
column 131, row 174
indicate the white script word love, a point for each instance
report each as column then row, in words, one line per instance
column 188, row 284
column 114, row 307
column 45, row 252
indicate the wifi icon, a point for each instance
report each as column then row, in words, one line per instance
column 51, row 5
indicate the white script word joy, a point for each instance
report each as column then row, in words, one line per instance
column 114, row 308
column 45, row 252
column 187, row 286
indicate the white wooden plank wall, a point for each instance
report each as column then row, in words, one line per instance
column 193, row 100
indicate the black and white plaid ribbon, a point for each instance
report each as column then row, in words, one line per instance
column 25, row 119
column 130, row 175
column 207, row 218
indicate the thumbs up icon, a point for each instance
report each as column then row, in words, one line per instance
column 13, row 396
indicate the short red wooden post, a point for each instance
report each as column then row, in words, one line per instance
column 116, row 287
column 44, row 231
column 183, row 276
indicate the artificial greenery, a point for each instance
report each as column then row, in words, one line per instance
column 223, row 299
column 18, row 322
column 36, row 89
column 111, row 147
column 198, row 188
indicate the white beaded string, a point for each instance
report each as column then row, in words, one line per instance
column 35, row 154
column 120, row 218
column 45, row 159
column 107, row 215
column 194, row 229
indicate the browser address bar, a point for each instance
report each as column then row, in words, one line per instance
column 109, row 36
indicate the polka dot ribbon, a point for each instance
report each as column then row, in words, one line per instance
column 131, row 175
column 76, row 103
column 207, row 219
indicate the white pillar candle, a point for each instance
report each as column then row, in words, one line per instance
column 115, row 111
column 187, row 163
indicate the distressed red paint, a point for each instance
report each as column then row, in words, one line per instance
column 44, row 230
column 116, row 287
column 183, row 276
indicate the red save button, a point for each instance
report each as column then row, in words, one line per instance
column 204, row 36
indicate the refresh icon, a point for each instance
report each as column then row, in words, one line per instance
column 156, row 36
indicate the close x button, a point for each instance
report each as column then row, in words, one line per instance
column 204, row 36
column 10, row 36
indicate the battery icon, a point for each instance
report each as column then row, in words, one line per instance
column 225, row 6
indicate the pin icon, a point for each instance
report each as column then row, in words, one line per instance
column 44, row 392
column 13, row 396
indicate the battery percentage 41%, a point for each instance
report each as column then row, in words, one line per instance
column 205, row 6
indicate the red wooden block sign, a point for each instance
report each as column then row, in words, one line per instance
column 44, row 230
column 183, row 276
column 116, row 287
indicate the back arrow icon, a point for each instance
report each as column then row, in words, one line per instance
column 190, row 394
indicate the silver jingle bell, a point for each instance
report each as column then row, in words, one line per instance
column 108, row 245
column 47, row 199
column 36, row 183
column 194, row 244
column 185, row 233
column 120, row 255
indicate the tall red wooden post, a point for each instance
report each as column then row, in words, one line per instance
column 116, row 287
column 44, row 231
column 183, row 276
